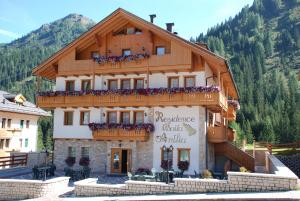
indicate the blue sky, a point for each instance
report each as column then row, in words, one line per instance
column 191, row 17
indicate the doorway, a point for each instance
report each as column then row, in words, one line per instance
column 120, row 160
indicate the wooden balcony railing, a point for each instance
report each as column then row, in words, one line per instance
column 153, row 64
column 215, row 101
column 121, row 134
column 237, row 155
column 231, row 113
column 219, row 134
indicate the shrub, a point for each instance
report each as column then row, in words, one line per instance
column 183, row 165
column 243, row 169
column 164, row 164
column 207, row 174
column 70, row 161
column 84, row 161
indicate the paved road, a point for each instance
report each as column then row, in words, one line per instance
column 288, row 195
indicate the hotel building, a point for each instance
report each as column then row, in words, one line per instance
column 127, row 87
column 19, row 124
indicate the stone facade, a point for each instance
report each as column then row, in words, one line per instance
column 237, row 182
column 14, row 189
column 100, row 153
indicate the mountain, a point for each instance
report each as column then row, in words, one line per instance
column 262, row 44
column 20, row 56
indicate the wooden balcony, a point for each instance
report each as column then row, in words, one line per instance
column 215, row 101
column 219, row 134
column 121, row 134
column 152, row 64
column 231, row 113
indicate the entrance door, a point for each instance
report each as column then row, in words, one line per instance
column 116, row 158
column 120, row 160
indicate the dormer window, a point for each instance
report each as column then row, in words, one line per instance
column 126, row 52
column 160, row 50
column 130, row 30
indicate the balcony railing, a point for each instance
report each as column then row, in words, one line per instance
column 231, row 113
column 219, row 134
column 214, row 100
column 153, row 64
column 121, row 134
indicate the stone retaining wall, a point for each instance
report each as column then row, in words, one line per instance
column 17, row 189
column 236, row 182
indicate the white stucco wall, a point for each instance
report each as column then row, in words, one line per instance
column 156, row 80
column 78, row 131
column 173, row 132
column 25, row 133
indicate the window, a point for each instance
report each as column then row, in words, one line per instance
column 85, row 85
column 85, row 152
column 95, row 54
column 8, row 123
column 183, row 154
column 139, row 117
column 126, row 52
column 21, row 143
column 3, row 122
column 160, row 51
column 130, row 30
column 1, row 143
column 68, row 118
column 7, row 142
column 139, row 83
column 84, row 118
column 112, row 84
column 71, row 152
column 165, row 155
column 70, row 85
column 21, row 124
column 111, row 117
column 125, row 117
column 189, row 81
column 125, row 84
column 27, row 123
column 173, row 82
column 26, row 142
column 210, row 119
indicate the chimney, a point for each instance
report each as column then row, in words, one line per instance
column 169, row 26
column 152, row 17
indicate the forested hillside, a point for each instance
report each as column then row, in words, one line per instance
column 262, row 44
column 19, row 57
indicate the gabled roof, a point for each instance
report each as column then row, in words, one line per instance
column 202, row 50
column 8, row 105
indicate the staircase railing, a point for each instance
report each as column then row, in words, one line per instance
column 237, row 155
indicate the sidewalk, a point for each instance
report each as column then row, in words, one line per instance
column 287, row 195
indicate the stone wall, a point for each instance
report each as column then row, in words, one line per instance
column 237, row 182
column 17, row 189
column 100, row 153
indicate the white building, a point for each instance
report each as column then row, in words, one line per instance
column 19, row 123
column 130, row 73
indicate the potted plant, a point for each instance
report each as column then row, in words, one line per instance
column 70, row 161
column 183, row 166
column 164, row 164
column 86, row 170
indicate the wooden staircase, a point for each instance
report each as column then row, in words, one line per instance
column 235, row 154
